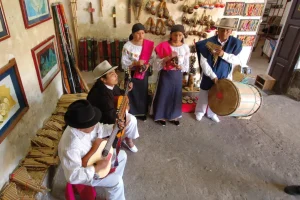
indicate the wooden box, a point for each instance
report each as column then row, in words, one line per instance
column 264, row 82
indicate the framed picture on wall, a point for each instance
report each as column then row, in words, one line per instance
column 13, row 102
column 46, row 61
column 248, row 40
column 35, row 12
column 254, row 9
column 248, row 24
column 4, row 32
column 234, row 8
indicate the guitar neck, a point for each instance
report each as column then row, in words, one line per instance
column 120, row 113
column 110, row 141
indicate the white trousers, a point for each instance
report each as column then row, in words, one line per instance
column 113, row 183
column 202, row 105
column 131, row 130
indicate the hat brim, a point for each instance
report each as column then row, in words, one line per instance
column 88, row 124
column 226, row 27
column 109, row 70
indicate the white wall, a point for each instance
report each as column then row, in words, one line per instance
column 41, row 105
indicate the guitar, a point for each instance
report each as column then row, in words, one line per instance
column 102, row 148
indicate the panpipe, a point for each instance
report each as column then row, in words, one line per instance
column 42, row 142
column 10, row 192
column 212, row 47
column 22, row 177
column 32, row 164
column 50, row 160
column 51, row 134
column 35, row 153
column 53, row 125
column 58, row 118
column 60, row 111
column 45, row 150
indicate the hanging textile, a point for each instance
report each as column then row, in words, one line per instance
column 72, row 80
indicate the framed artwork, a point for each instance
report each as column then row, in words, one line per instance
column 35, row 12
column 4, row 32
column 254, row 9
column 46, row 61
column 248, row 24
column 248, row 40
column 13, row 102
column 234, row 8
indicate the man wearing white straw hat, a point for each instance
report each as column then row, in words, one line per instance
column 102, row 96
column 216, row 63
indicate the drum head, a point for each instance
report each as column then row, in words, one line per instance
column 223, row 98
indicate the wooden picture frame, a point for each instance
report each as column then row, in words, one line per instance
column 248, row 25
column 13, row 101
column 46, row 61
column 4, row 31
column 34, row 14
column 234, row 8
column 254, row 9
column 248, row 40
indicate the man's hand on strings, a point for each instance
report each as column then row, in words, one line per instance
column 130, row 86
column 101, row 164
column 121, row 123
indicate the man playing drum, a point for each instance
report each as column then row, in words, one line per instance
column 216, row 62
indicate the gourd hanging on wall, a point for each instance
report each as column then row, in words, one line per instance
column 137, row 8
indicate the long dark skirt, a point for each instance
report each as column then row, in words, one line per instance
column 167, row 101
column 138, row 96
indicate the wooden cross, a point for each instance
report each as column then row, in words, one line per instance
column 91, row 10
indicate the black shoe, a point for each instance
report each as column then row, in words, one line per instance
column 292, row 190
column 176, row 122
column 143, row 118
column 161, row 122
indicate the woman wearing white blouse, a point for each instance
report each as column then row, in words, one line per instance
column 172, row 59
column 136, row 58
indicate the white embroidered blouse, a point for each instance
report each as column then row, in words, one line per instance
column 131, row 53
column 183, row 52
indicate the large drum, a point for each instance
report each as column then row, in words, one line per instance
column 234, row 99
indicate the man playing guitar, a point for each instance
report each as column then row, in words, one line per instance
column 83, row 129
column 102, row 96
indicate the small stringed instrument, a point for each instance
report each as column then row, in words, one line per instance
column 102, row 148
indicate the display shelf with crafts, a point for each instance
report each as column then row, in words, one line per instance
column 189, row 103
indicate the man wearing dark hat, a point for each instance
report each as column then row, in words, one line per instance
column 83, row 128
column 102, row 96
column 226, row 56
